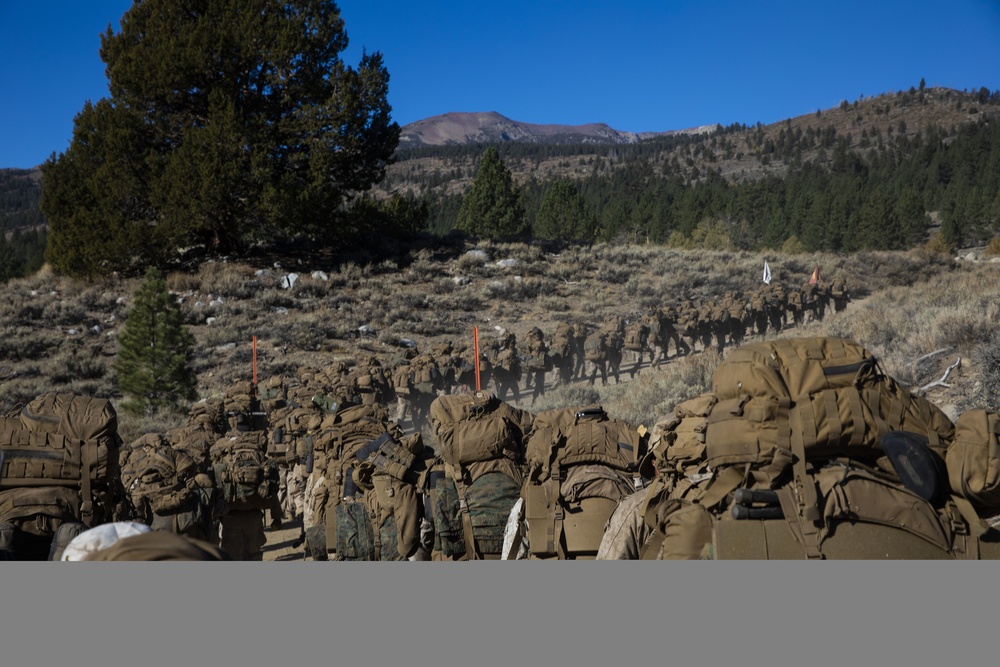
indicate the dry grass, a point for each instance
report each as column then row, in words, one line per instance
column 909, row 304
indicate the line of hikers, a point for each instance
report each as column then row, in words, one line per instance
column 579, row 351
column 285, row 446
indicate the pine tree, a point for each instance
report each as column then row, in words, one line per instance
column 154, row 350
column 493, row 207
column 563, row 215
column 229, row 122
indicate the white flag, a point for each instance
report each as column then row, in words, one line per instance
column 767, row 273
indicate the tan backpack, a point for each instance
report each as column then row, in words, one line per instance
column 581, row 464
column 635, row 336
column 61, row 462
column 562, row 341
column 595, row 348
column 864, row 515
column 790, row 402
column 246, row 477
column 481, row 442
column 678, row 443
column 336, row 445
column 382, row 521
column 166, row 487
column 973, row 460
column 815, row 397
column 402, row 379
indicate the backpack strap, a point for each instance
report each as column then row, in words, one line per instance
column 806, row 510
column 376, row 529
column 554, row 529
column 458, row 476
column 806, row 532
column 87, row 451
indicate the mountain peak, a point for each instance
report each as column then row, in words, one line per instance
column 457, row 127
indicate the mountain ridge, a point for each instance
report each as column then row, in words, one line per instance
column 467, row 127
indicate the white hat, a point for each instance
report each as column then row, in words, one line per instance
column 101, row 537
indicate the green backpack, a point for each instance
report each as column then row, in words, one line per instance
column 340, row 437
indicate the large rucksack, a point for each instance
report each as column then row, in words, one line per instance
column 335, row 445
column 865, row 515
column 811, row 399
column 536, row 357
column 166, row 488
column 60, row 463
column 426, row 376
column 246, row 478
column 807, row 424
column 481, row 444
column 561, row 344
column 243, row 408
column 580, row 465
column 973, row 460
column 595, row 348
column 508, row 360
column 402, row 379
column 636, row 335
column 382, row 522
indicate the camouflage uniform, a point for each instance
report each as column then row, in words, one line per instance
column 656, row 341
column 616, row 344
column 758, row 311
column 636, row 340
column 687, row 325
column 778, row 308
column 810, row 302
column 626, row 531
column 427, row 382
column 578, row 340
column 536, row 352
column 506, row 366
column 368, row 382
column 561, row 352
column 400, row 379
column 242, row 534
column 596, row 354
column 839, row 294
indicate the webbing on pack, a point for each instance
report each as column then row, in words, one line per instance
column 553, row 530
column 88, row 463
column 458, row 476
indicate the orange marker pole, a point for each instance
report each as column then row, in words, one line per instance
column 255, row 361
column 475, row 345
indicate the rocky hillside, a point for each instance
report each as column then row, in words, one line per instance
column 311, row 311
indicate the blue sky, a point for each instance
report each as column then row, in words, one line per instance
column 637, row 65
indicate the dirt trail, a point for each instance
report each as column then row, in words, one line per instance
column 280, row 542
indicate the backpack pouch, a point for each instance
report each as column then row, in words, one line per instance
column 448, row 529
column 355, row 536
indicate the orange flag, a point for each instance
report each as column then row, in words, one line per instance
column 475, row 345
column 815, row 276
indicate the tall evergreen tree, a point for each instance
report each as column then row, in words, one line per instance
column 563, row 215
column 493, row 207
column 153, row 365
column 228, row 122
